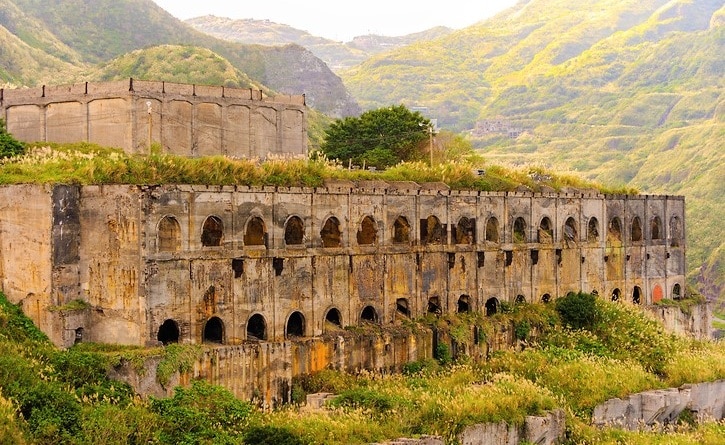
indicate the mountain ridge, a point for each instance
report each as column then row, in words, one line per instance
column 337, row 55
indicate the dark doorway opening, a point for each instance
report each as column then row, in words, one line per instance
column 168, row 332
column 295, row 325
column 214, row 331
column 369, row 314
column 491, row 306
column 333, row 316
column 402, row 307
column 256, row 328
column 434, row 306
column 464, row 304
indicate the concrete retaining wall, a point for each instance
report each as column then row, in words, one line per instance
column 652, row 409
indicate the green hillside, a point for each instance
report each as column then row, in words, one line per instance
column 622, row 92
column 51, row 42
column 182, row 64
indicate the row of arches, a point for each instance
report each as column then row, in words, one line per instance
column 295, row 326
column 432, row 231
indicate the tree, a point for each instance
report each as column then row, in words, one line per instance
column 9, row 146
column 379, row 138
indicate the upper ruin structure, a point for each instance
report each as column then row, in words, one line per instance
column 186, row 120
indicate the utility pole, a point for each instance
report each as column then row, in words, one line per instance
column 150, row 122
column 430, row 139
column 430, row 143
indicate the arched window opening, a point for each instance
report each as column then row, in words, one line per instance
column 546, row 232
column 546, row 298
column 333, row 317
column 369, row 314
column 464, row 304
column 256, row 328
column 491, row 306
column 401, row 231
column 616, row 293
column 655, row 228
column 256, row 233
column 519, row 233
column 294, row 231
column 402, row 307
column 432, row 231
column 636, row 229
column 330, row 233
column 212, row 232
column 169, row 235
column 593, row 230
column 676, row 292
column 295, row 325
column 657, row 293
column 465, row 231
column 168, row 332
column 368, row 232
column 520, row 299
column 637, row 295
column 675, row 231
column 434, row 306
column 614, row 234
column 214, row 330
column 571, row 234
column 492, row 230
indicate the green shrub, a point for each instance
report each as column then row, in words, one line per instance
column 424, row 366
column 53, row 414
column 443, row 354
column 578, row 311
column 522, row 330
column 201, row 413
column 271, row 435
column 15, row 326
column 9, row 146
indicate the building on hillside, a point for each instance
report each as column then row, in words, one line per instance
column 497, row 126
column 186, row 120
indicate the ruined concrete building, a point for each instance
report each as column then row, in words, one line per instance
column 272, row 275
column 187, row 120
column 227, row 264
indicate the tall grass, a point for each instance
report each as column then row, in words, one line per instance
column 53, row 396
column 83, row 163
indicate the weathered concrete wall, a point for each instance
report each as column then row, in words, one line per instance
column 654, row 409
column 263, row 371
column 696, row 322
column 188, row 120
column 540, row 430
column 26, row 250
column 232, row 264
column 543, row 430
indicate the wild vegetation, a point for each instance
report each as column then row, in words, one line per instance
column 84, row 163
column 53, row 396
column 174, row 63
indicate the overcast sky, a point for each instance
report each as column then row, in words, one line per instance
column 342, row 20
